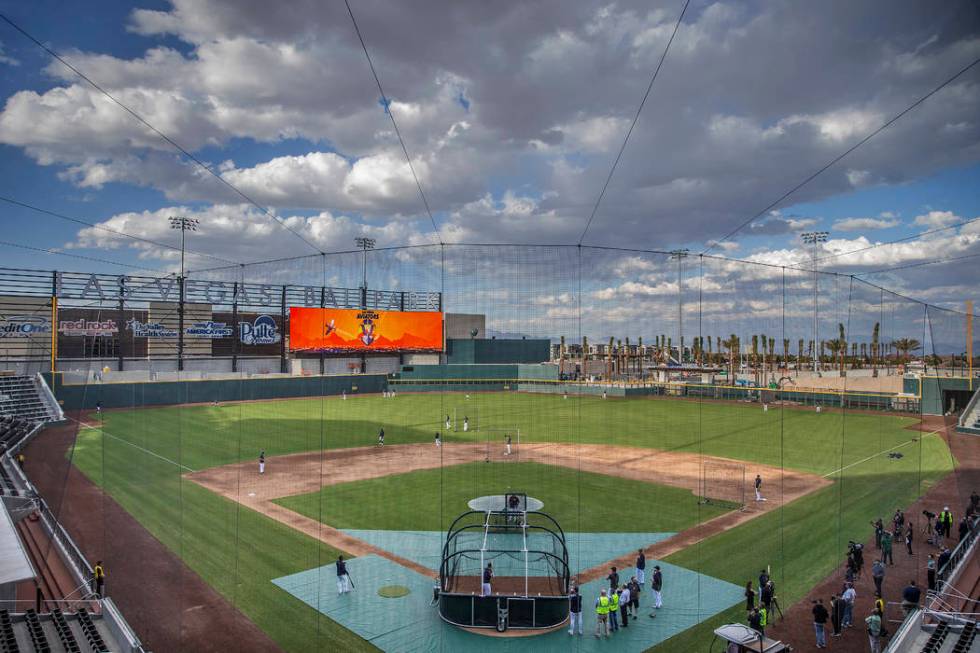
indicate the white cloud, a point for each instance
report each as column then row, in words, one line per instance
column 936, row 219
column 865, row 224
column 512, row 112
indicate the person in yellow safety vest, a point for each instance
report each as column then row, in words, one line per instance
column 763, row 619
column 98, row 579
column 946, row 519
column 602, row 615
column 613, row 611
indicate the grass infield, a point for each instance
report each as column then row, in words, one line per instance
column 143, row 454
column 579, row 501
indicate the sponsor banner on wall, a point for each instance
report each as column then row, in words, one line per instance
column 263, row 331
column 23, row 326
column 95, row 328
column 209, row 330
column 332, row 329
column 150, row 329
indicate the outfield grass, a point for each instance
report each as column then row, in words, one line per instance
column 205, row 436
column 144, row 452
column 579, row 501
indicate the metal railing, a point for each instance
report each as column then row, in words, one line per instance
column 70, row 553
column 958, row 554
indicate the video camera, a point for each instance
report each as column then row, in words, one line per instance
column 929, row 515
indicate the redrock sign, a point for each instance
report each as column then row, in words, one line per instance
column 23, row 326
column 261, row 332
column 88, row 328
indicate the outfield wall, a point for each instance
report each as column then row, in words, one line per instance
column 163, row 393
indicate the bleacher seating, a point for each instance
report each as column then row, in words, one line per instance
column 965, row 641
column 937, row 638
column 91, row 632
column 8, row 640
column 13, row 429
column 20, row 397
column 38, row 638
column 64, row 632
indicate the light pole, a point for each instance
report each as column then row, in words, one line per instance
column 680, row 255
column 185, row 225
column 365, row 244
column 814, row 238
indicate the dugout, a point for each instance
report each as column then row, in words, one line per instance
column 529, row 555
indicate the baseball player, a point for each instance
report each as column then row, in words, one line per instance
column 657, row 584
column 758, row 488
column 381, row 438
column 343, row 578
column 438, row 440
column 448, row 424
column 485, row 589
column 466, row 424
column 508, row 446
column 262, row 462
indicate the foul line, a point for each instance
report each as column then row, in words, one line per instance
column 95, row 427
column 875, row 455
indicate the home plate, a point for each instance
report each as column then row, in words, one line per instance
column 251, row 494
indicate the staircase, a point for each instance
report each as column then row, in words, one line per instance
column 969, row 421
column 29, row 399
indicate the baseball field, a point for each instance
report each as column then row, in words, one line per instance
column 620, row 468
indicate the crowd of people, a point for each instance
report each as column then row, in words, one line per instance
column 839, row 615
column 620, row 603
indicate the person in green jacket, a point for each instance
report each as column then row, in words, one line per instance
column 886, row 548
column 874, row 631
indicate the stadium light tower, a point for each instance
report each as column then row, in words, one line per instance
column 679, row 255
column 185, row 225
column 365, row 244
column 814, row 239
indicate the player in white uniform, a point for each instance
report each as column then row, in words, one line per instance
column 508, row 446
column 466, row 424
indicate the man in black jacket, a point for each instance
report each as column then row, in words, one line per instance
column 820, row 616
column 574, row 612
column 657, row 584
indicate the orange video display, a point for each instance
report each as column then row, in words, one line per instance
column 339, row 329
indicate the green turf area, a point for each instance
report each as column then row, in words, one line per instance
column 205, row 436
column 579, row 501
column 804, row 542
column 140, row 460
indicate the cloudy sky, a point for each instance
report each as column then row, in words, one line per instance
column 512, row 114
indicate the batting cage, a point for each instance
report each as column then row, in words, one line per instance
column 245, row 426
column 504, row 567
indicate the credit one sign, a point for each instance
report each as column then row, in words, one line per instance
column 23, row 326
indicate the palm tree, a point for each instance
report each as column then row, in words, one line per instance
column 772, row 346
column 785, row 352
column 732, row 345
column 874, row 349
column 906, row 345
column 799, row 356
column 842, row 346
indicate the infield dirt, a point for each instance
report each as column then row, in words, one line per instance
column 304, row 473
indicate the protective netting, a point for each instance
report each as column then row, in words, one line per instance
column 642, row 396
